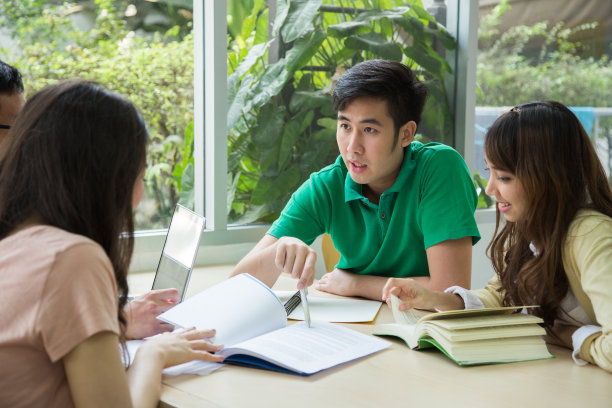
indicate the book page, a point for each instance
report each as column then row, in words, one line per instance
column 238, row 308
column 410, row 316
column 309, row 350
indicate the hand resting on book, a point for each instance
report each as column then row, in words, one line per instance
column 414, row 296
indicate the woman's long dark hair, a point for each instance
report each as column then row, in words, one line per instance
column 544, row 145
column 73, row 158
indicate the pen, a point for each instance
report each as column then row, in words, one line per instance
column 305, row 308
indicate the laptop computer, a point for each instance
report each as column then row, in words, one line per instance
column 180, row 250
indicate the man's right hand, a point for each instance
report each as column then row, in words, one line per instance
column 296, row 258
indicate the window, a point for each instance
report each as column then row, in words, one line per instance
column 139, row 49
column 534, row 50
column 283, row 59
column 198, row 44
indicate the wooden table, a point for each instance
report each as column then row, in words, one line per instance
column 396, row 376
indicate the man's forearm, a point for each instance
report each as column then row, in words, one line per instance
column 369, row 286
column 259, row 263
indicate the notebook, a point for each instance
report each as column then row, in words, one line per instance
column 180, row 250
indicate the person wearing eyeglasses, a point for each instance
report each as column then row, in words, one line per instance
column 12, row 99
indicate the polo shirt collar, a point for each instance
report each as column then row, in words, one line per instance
column 353, row 191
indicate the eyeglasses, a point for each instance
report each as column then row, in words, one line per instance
column 5, row 126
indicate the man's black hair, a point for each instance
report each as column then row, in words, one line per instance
column 10, row 79
column 388, row 80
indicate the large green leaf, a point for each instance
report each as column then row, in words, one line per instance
column 291, row 133
column 282, row 10
column 347, row 28
column 248, row 26
column 187, row 192
column 261, row 29
column 376, row 44
column 250, row 22
column 237, row 96
column 268, row 189
column 256, row 52
column 270, row 84
column 308, row 100
column 427, row 62
column 299, row 19
column 269, row 126
column 447, row 40
column 303, row 50
column 325, row 135
column 392, row 14
column 232, row 183
column 421, row 13
column 328, row 123
column 411, row 25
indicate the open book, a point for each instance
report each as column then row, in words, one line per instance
column 251, row 323
column 470, row 337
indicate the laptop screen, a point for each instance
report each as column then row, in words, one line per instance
column 180, row 250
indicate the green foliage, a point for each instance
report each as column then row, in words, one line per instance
column 513, row 69
column 280, row 120
column 155, row 72
column 509, row 74
column 484, row 201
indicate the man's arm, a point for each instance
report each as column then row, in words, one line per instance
column 272, row 255
column 450, row 263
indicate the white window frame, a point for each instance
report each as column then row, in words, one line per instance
column 227, row 244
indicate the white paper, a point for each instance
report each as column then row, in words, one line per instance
column 309, row 350
column 339, row 310
column 250, row 319
column 238, row 308
column 334, row 309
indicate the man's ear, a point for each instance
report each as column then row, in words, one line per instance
column 406, row 133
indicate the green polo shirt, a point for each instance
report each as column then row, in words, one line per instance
column 432, row 200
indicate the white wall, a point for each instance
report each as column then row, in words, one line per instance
column 482, row 270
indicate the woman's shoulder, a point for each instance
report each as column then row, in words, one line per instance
column 586, row 221
column 51, row 240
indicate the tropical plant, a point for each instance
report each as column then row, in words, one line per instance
column 280, row 119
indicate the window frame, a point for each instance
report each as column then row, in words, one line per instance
column 223, row 243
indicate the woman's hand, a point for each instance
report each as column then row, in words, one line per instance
column 411, row 294
column 141, row 313
column 414, row 296
column 183, row 346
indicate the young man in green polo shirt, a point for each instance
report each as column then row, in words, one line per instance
column 393, row 207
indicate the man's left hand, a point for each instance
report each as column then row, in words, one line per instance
column 339, row 282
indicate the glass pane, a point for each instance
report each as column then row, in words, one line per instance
column 140, row 49
column 535, row 50
column 281, row 125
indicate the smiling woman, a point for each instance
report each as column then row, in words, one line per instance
column 555, row 248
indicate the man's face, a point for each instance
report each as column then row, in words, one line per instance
column 10, row 106
column 365, row 137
